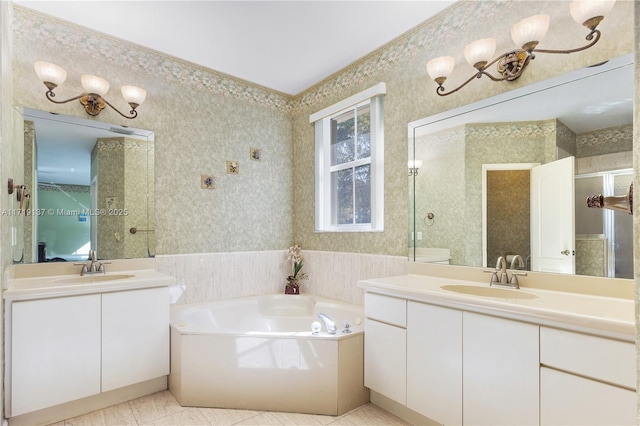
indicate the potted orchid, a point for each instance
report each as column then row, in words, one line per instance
column 294, row 255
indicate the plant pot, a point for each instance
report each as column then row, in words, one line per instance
column 292, row 288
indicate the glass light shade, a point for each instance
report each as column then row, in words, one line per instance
column 480, row 51
column 133, row 94
column 582, row 11
column 50, row 72
column 531, row 29
column 93, row 84
column 415, row 164
column 440, row 67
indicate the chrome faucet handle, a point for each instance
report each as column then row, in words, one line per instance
column 514, row 279
column 494, row 276
column 347, row 326
column 85, row 268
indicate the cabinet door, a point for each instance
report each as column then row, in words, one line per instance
column 385, row 360
column 434, row 362
column 135, row 336
column 500, row 371
column 566, row 399
column 55, row 351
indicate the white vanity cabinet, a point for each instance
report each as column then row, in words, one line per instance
column 135, row 337
column 66, row 348
column 469, row 368
column 586, row 380
column 55, row 346
column 385, row 346
column 434, row 362
column 501, row 367
column 493, row 360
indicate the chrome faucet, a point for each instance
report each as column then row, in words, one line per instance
column 94, row 267
column 501, row 267
column 501, row 264
column 328, row 323
column 517, row 262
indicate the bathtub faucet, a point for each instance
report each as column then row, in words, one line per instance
column 328, row 323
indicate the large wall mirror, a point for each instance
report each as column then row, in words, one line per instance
column 90, row 187
column 509, row 176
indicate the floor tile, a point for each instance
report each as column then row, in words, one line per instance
column 227, row 417
column 292, row 419
column 116, row 415
column 264, row 419
column 188, row 417
column 369, row 415
column 152, row 407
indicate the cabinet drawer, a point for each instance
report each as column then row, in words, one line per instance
column 566, row 399
column 386, row 309
column 609, row 360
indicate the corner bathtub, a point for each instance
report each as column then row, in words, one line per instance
column 259, row 353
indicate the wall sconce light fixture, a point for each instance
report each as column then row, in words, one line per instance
column 414, row 165
column 526, row 33
column 94, row 89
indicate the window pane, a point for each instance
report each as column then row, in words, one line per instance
column 364, row 132
column 342, row 138
column 363, row 194
column 342, row 188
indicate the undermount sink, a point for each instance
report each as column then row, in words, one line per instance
column 87, row 279
column 489, row 291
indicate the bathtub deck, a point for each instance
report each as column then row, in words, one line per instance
column 161, row 408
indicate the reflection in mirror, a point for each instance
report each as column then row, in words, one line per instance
column 464, row 207
column 91, row 182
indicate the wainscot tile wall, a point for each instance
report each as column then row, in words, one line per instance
column 213, row 276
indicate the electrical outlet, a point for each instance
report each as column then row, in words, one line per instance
column 419, row 235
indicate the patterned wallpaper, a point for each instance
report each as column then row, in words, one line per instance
column 29, row 160
column 411, row 96
column 270, row 203
column 201, row 119
column 508, row 213
column 121, row 167
column 605, row 141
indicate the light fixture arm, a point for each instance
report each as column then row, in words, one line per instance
column 589, row 37
column 522, row 60
column 93, row 103
column 133, row 111
column 512, row 64
column 50, row 95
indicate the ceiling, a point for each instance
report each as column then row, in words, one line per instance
column 286, row 46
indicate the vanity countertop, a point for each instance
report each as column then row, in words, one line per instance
column 599, row 315
column 40, row 287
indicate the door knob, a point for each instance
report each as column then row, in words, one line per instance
column 565, row 252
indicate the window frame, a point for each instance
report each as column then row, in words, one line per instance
column 325, row 212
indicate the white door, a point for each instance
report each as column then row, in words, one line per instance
column 552, row 217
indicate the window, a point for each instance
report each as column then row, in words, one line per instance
column 349, row 163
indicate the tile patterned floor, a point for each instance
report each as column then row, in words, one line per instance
column 162, row 409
